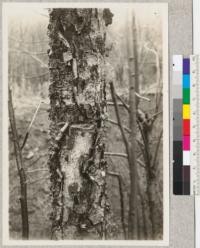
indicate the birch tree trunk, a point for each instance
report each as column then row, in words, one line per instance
column 77, row 112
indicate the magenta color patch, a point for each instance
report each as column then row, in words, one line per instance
column 186, row 143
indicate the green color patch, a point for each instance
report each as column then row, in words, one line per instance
column 186, row 96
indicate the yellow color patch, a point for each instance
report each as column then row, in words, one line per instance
column 186, row 111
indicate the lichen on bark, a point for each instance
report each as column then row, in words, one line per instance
column 77, row 103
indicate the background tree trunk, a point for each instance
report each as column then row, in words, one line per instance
column 78, row 108
column 133, row 88
column 20, row 169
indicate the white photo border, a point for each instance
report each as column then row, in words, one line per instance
column 166, row 161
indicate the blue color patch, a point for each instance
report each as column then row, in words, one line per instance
column 186, row 81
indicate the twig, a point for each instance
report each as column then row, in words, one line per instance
column 110, row 103
column 142, row 200
column 61, row 132
column 35, row 161
column 38, row 179
column 30, row 125
column 115, row 123
column 154, row 115
column 31, row 55
column 157, row 73
column 37, row 76
column 123, row 155
column 141, row 163
column 64, row 40
column 21, row 172
column 123, row 102
column 156, row 150
column 142, row 97
column 27, row 42
column 36, row 170
column 118, row 117
column 120, row 182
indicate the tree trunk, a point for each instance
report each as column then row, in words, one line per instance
column 20, row 168
column 78, row 108
column 132, row 232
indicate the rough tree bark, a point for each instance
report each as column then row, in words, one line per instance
column 77, row 112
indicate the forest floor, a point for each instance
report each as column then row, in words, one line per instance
column 35, row 155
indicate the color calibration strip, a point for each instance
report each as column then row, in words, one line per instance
column 181, row 125
column 195, row 124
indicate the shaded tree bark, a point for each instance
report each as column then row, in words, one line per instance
column 77, row 112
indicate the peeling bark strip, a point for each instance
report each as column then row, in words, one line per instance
column 78, row 108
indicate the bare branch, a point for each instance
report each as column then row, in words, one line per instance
column 155, row 52
column 20, row 168
column 31, row 55
column 30, row 125
column 27, row 42
column 123, row 102
column 142, row 97
column 37, row 76
column 120, row 182
column 37, row 180
column 39, row 53
column 64, row 40
column 35, row 161
column 141, row 163
column 115, row 123
column 157, row 149
column 118, row 117
column 36, row 170
column 62, row 131
column 156, row 114
column 145, row 143
column 114, row 154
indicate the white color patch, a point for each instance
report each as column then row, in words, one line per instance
column 186, row 158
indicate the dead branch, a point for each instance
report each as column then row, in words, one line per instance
column 37, row 76
column 36, row 170
column 120, row 182
column 156, row 54
column 156, row 150
column 114, row 154
column 123, row 102
column 110, row 103
column 27, row 42
column 62, row 131
column 37, row 180
column 144, row 220
column 115, row 123
column 112, row 89
column 30, row 125
column 156, row 114
column 64, row 40
column 142, row 97
column 141, row 163
column 35, row 161
column 20, row 168
column 31, row 55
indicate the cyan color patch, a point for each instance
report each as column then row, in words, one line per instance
column 186, row 81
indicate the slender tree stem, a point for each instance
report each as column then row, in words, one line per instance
column 120, row 182
column 112, row 89
column 21, row 172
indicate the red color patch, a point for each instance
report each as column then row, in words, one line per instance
column 186, row 127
